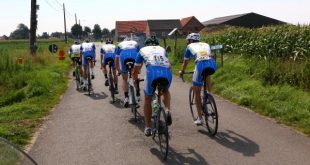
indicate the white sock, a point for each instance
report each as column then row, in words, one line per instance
column 92, row 71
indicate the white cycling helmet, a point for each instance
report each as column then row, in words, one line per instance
column 193, row 36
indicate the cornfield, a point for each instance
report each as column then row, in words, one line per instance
column 286, row 42
column 283, row 52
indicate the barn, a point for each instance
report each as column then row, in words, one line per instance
column 160, row 27
column 125, row 28
column 247, row 20
column 191, row 25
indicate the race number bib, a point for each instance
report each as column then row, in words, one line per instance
column 158, row 60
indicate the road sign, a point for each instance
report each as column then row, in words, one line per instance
column 216, row 47
column 53, row 48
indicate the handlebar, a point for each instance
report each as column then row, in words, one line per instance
column 182, row 77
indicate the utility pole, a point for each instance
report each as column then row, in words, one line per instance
column 33, row 27
column 66, row 39
column 75, row 19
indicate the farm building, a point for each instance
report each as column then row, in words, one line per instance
column 160, row 27
column 191, row 25
column 125, row 28
column 248, row 20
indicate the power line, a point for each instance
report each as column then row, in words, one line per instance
column 49, row 4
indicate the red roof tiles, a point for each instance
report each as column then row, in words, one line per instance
column 128, row 26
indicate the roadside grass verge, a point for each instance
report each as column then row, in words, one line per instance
column 239, row 82
column 30, row 90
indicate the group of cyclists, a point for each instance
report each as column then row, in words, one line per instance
column 158, row 67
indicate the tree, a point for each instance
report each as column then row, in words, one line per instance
column 22, row 32
column 97, row 31
column 112, row 32
column 57, row 34
column 77, row 30
column 105, row 33
column 45, row 35
column 86, row 31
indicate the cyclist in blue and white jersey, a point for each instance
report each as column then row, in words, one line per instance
column 204, row 64
column 126, row 51
column 157, row 69
column 88, row 50
column 107, row 53
column 75, row 52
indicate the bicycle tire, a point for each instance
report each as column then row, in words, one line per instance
column 133, row 102
column 163, row 133
column 77, row 77
column 192, row 104
column 111, row 87
column 211, row 115
column 88, row 78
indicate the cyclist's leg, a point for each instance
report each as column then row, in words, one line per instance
column 115, row 78
column 125, row 84
column 92, row 67
column 197, row 84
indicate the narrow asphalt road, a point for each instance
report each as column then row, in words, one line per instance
column 90, row 130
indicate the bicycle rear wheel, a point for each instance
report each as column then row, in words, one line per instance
column 111, row 87
column 133, row 102
column 211, row 115
column 192, row 104
column 163, row 133
column 77, row 77
column 88, row 78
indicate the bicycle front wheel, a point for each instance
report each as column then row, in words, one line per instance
column 211, row 115
column 163, row 133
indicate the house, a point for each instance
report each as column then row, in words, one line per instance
column 125, row 28
column 4, row 37
column 162, row 27
column 248, row 20
column 191, row 25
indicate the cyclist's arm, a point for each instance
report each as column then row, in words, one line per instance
column 117, row 56
column 186, row 59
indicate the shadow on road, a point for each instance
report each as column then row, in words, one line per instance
column 236, row 142
column 139, row 123
column 118, row 103
column 98, row 96
column 189, row 157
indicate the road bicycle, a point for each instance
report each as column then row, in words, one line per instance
column 77, row 73
column 160, row 127
column 208, row 105
column 112, row 87
column 133, row 101
column 89, row 84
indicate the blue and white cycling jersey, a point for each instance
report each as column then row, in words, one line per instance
column 126, row 50
column 201, row 53
column 75, row 50
column 107, row 51
column 88, row 50
column 157, row 66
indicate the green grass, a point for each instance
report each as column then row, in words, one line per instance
column 28, row 91
column 239, row 81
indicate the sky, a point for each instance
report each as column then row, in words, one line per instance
column 105, row 13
